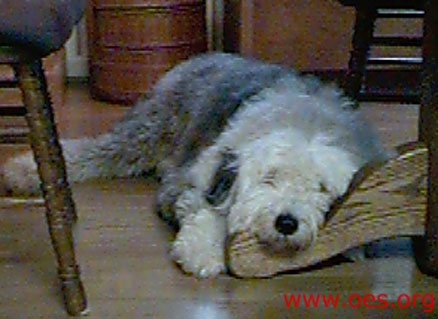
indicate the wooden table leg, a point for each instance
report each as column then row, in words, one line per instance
column 60, row 209
column 363, row 33
column 426, row 249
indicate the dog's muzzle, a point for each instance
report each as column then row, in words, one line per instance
column 286, row 224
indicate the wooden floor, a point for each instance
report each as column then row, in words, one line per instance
column 122, row 248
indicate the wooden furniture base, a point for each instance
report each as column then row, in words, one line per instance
column 384, row 200
column 60, row 208
column 367, row 13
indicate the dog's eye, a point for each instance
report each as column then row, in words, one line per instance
column 269, row 178
column 322, row 188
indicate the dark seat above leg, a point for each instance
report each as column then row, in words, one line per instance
column 29, row 30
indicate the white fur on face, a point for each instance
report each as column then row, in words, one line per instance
column 283, row 173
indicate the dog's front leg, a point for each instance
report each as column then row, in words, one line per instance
column 199, row 244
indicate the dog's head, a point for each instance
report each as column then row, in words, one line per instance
column 284, row 187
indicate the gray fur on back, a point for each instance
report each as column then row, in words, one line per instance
column 186, row 110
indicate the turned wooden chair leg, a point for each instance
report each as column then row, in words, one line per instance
column 51, row 168
column 362, row 37
column 426, row 249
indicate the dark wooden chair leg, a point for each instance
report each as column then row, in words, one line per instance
column 426, row 249
column 362, row 37
column 51, row 168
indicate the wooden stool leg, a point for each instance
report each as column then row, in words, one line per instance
column 426, row 249
column 362, row 36
column 51, row 168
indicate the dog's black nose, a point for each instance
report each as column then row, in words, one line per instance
column 286, row 224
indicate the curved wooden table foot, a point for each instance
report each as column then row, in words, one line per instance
column 384, row 200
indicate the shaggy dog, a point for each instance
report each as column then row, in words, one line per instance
column 236, row 145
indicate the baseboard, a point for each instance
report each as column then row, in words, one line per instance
column 381, row 85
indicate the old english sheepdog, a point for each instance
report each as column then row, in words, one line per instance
column 236, row 144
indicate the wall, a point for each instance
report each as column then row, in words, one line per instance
column 307, row 34
column 77, row 51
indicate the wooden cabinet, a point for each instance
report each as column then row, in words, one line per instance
column 133, row 42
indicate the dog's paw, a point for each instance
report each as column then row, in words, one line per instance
column 18, row 176
column 199, row 245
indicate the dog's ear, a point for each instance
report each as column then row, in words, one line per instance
column 223, row 179
column 335, row 204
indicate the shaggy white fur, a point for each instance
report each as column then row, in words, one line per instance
column 295, row 144
column 288, row 163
